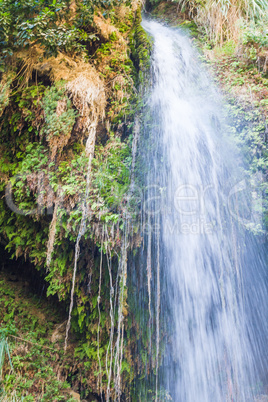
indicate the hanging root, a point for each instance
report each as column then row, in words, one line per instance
column 82, row 230
column 88, row 96
column 120, row 327
column 77, row 251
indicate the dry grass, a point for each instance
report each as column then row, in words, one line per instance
column 135, row 4
column 222, row 18
column 83, row 83
column 122, row 12
column 221, row 23
column 88, row 96
column 104, row 27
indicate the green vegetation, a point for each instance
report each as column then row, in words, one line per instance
column 68, row 90
column 56, row 26
column 30, row 369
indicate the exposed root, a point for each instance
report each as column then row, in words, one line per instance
column 88, row 96
column 77, row 252
column 81, row 232
column 120, row 326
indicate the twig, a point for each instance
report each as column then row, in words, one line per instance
column 32, row 343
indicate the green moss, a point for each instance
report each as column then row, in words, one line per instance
column 141, row 46
column 190, row 27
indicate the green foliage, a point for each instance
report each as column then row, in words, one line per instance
column 227, row 49
column 256, row 33
column 59, row 116
column 246, row 90
column 35, row 159
column 33, row 363
column 36, row 360
column 29, row 100
column 38, row 21
column 112, row 175
column 49, row 24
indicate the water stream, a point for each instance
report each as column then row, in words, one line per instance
column 206, row 314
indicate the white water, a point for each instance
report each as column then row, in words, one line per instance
column 213, row 315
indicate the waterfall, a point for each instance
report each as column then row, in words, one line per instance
column 201, row 276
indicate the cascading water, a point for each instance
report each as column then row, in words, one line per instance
column 206, row 280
